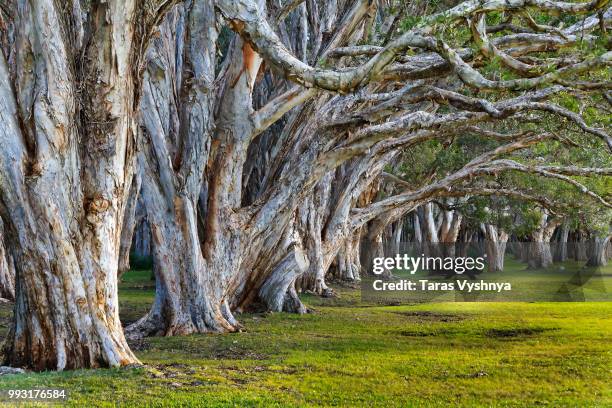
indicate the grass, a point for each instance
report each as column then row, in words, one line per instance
column 348, row 353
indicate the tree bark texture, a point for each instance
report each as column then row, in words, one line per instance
column 7, row 270
column 67, row 133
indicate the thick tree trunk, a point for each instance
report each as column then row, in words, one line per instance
column 186, row 300
column 67, row 142
column 278, row 291
column 540, row 254
column 310, row 226
column 190, row 276
column 348, row 263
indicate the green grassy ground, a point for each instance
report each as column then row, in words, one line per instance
column 351, row 354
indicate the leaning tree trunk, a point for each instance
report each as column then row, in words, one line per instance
column 598, row 251
column 66, row 133
column 7, row 270
column 278, row 291
column 129, row 224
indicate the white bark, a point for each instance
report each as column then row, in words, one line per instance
column 177, row 108
column 598, row 251
column 539, row 254
column 495, row 246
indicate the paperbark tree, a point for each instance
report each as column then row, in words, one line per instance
column 561, row 251
column 495, row 246
column 598, row 251
column 178, row 116
column 364, row 126
column 7, row 270
column 69, row 81
column 540, row 255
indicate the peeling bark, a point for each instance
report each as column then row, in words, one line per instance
column 495, row 246
column 178, row 116
column 7, row 270
column 278, row 291
column 66, row 132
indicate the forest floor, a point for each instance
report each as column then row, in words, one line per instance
column 348, row 353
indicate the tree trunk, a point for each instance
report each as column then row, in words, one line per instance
column 7, row 270
column 449, row 231
column 561, row 252
column 184, row 302
column 189, row 276
column 129, row 224
column 278, row 291
column 310, row 225
column 141, row 243
column 598, row 251
column 348, row 263
column 540, row 254
column 495, row 246
column 67, row 140
column 580, row 245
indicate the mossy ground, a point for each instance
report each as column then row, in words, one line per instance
column 353, row 354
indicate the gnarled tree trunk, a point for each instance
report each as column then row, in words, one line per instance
column 66, row 133
column 178, row 117
column 348, row 263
